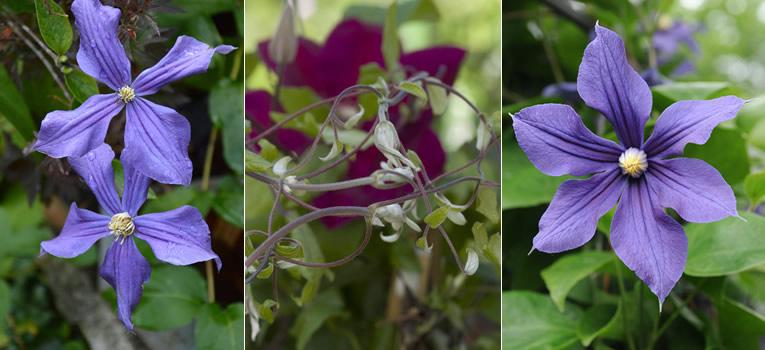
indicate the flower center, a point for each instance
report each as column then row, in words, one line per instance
column 633, row 162
column 121, row 225
column 127, row 94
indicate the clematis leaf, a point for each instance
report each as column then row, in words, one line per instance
column 414, row 89
column 390, row 46
column 218, row 328
column 437, row 217
column 226, row 111
column 13, row 108
column 81, row 85
column 480, row 236
column 422, row 243
column 54, row 25
column 567, row 271
column 754, row 186
column 725, row 247
column 487, row 204
column 666, row 94
column 600, row 321
column 523, row 185
column 254, row 162
column 265, row 309
column 530, row 320
column 171, row 298
column 438, row 98
column 726, row 151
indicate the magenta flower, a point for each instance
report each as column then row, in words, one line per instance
column 641, row 176
column 257, row 105
column 156, row 137
column 330, row 68
column 178, row 237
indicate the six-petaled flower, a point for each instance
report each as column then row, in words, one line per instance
column 156, row 137
column 644, row 177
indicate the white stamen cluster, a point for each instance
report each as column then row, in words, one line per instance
column 633, row 162
column 121, row 225
column 126, row 93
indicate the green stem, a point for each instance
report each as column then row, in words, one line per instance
column 622, row 291
column 207, row 168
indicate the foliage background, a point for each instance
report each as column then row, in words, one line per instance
column 719, row 301
column 35, row 191
column 348, row 310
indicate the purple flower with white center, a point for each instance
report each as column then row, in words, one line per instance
column 178, row 237
column 156, row 137
column 642, row 174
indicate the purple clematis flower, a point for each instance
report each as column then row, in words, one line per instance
column 178, row 237
column 641, row 176
column 156, row 137
column 336, row 65
column 668, row 39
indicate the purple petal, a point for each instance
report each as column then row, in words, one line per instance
column 689, row 122
column 81, row 230
column 101, row 54
column 257, row 105
column 441, row 61
column 300, row 71
column 136, row 188
column 188, row 56
column 647, row 240
column 126, row 270
column 557, row 142
column 693, row 188
column 96, row 169
column 76, row 132
column 157, row 142
column 178, row 237
column 573, row 214
column 609, row 84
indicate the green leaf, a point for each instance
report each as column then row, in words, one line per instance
column 55, row 28
column 522, row 184
column 229, row 201
column 438, row 98
column 754, row 186
column 667, row 94
column 479, row 234
column 599, row 320
column 567, row 271
column 178, row 197
column 725, row 247
column 326, row 305
column 740, row 326
column 171, row 298
column 726, row 150
column 226, row 112
column 220, row 329
column 531, row 321
column 81, row 85
column 487, row 203
column 437, row 217
column 413, row 89
column 255, row 163
column 390, row 47
column 13, row 108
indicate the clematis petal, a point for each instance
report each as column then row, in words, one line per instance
column 178, row 237
column 136, row 188
column 608, row 83
column 157, row 142
column 442, row 62
column 126, row 270
column 81, row 230
column 76, row 132
column 689, row 122
column 573, row 214
column 647, row 240
column 693, row 188
column 96, row 169
column 188, row 56
column 257, row 105
column 101, row 54
column 557, row 142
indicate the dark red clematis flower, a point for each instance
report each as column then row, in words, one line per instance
column 257, row 105
column 328, row 69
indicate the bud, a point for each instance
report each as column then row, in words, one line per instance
column 387, row 142
column 386, row 178
column 471, row 265
column 280, row 167
column 483, row 135
column 283, row 45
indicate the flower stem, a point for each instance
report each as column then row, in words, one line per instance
column 207, row 168
column 623, row 295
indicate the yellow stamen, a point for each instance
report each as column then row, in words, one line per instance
column 633, row 162
column 121, row 226
column 126, row 93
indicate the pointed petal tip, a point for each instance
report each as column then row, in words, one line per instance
column 531, row 251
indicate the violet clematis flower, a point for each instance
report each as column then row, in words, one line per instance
column 641, row 176
column 668, row 39
column 178, row 237
column 156, row 137
column 330, row 68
